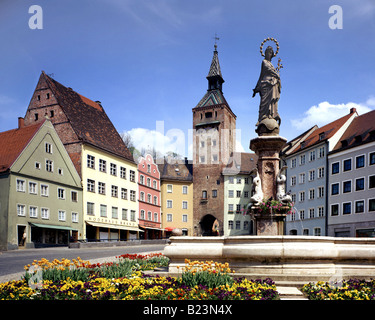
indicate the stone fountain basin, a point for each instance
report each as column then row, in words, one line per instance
column 294, row 257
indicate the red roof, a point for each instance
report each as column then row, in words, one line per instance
column 13, row 142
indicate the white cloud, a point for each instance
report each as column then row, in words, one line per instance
column 326, row 112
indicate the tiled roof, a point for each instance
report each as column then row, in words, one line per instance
column 324, row 133
column 176, row 171
column 242, row 163
column 13, row 142
column 360, row 131
column 89, row 120
column 215, row 66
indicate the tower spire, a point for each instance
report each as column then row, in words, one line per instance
column 215, row 78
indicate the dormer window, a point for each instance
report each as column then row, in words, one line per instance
column 302, row 144
column 344, row 143
column 358, row 139
column 321, row 136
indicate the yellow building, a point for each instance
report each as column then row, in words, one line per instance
column 110, row 195
column 177, row 197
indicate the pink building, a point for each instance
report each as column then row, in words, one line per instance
column 149, row 198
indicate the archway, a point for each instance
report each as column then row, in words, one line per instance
column 207, row 223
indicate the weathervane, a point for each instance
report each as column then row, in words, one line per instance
column 216, row 38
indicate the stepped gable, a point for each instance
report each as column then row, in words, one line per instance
column 13, row 142
column 89, row 120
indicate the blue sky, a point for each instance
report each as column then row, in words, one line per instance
column 147, row 60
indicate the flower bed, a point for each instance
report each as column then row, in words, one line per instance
column 352, row 289
column 80, row 280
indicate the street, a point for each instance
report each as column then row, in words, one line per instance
column 14, row 261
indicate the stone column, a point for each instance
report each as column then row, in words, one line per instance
column 268, row 148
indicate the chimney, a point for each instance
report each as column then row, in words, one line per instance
column 352, row 110
column 21, row 122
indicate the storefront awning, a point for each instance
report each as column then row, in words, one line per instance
column 144, row 227
column 169, row 229
column 50, row 226
column 104, row 225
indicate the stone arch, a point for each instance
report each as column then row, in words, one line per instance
column 206, row 224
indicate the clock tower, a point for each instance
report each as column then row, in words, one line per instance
column 214, row 139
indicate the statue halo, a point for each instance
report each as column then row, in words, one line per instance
column 270, row 39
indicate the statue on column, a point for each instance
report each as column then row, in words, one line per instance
column 269, row 88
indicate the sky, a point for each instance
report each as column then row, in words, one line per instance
column 147, row 60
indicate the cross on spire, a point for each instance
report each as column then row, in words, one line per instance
column 216, row 39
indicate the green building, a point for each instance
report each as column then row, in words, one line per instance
column 40, row 189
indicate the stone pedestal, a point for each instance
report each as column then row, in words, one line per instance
column 268, row 148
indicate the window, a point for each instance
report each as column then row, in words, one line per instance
column 184, row 204
column 49, row 165
column 113, row 169
column 359, row 184
column 154, row 184
column 48, row 147
column 149, row 198
column 124, row 194
column 33, row 212
column 320, row 192
column 122, row 173
column 239, row 180
column 312, row 155
column 302, row 214
column 90, row 209
column 103, row 210
column 114, row 191
column 132, row 215
column 231, row 180
column 132, row 195
column 293, row 195
column 293, row 163
column 124, row 215
column 302, row 177
column 169, row 188
column 184, row 218
column 169, row 217
column 142, row 179
column 371, row 205
column 149, row 170
column 204, row 194
column 143, row 214
column 347, row 208
column 230, row 225
column 90, row 161
column 302, row 159
column 60, row 171
column 74, row 217
column 214, row 193
column 321, row 152
column 238, row 225
column 321, row 212
column 302, row 196
column 317, row 232
column 238, row 194
column 44, row 190
column 142, row 196
column 230, row 208
column 311, row 194
column 311, row 175
column 184, row 189
column 74, row 196
column 334, row 210
column 320, row 172
column 33, row 188
column 62, row 215
column 335, row 167
column 360, row 162
column 359, row 206
column 90, row 185
column 347, row 186
column 21, row 185
column 372, row 158
column 61, row 193
column 311, row 213
column 102, row 165
column 169, row 204
column 246, row 194
column 155, row 200
column 246, row 180
column 21, row 210
column 44, row 212
column 293, row 181
column 335, row 188
column 246, row 225
column 148, row 182
column 101, row 187
column 38, row 165
column 230, row 193
column 155, row 217
column 371, row 182
column 36, row 116
column 114, row 213
column 347, row 165
column 132, row 176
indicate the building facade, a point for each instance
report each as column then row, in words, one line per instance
column 177, row 196
column 149, row 198
column 238, row 179
column 91, row 139
column 40, row 189
column 307, row 176
column 351, row 201
column 214, row 125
